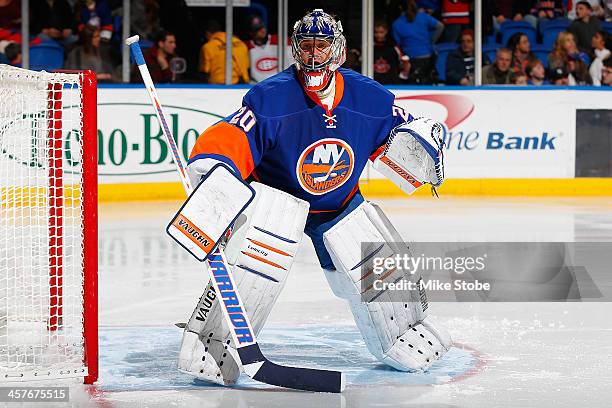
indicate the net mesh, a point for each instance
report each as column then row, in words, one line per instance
column 41, row 250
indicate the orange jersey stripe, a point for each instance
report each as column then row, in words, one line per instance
column 346, row 200
column 229, row 141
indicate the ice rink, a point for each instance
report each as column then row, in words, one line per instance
column 505, row 354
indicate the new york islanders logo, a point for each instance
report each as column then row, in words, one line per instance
column 325, row 165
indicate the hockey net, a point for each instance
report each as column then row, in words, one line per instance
column 48, row 225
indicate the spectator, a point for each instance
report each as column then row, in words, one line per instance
column 159, row 58
column 564, row 46
column 10, row 14
column 518, row 78
column 489, row 21
column 212, row 57
column 144, row 17
column 547, row 9
column 263, row 51
column 353, row 59
column 416, row 32
column 522, row 12
column 390, row 8
column 13, row 54
column 498, row 73
column 579, row 71
column 559, row 76
column 96, row 13
column 505, row 10
column 390, row 64
column 513, row 10
column 428, row 6
column 584, row 26
column 521, row 51
column 606, row 73
column 460, row 63
column 7, row 37
column 573, row 5
column 536, row 74
column 88, row 56
column 607, row 6
column 455, row 17
column 601, row 46
column 53, row 19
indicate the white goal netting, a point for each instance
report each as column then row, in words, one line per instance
column 41, row 233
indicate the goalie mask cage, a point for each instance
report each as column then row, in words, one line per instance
column 48, row 225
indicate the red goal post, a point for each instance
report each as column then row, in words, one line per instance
column 48, row 225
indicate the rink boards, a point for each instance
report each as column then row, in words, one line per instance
column 500, row 141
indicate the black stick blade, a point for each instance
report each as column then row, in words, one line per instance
column 306, row 379
column 259, row 368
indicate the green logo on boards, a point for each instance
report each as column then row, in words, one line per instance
column 131, row 142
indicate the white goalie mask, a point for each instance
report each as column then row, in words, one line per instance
column 319, row 48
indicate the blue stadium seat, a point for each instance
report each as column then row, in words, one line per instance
column 551, row 29
column 607, row 26
column 541, row 51
column 47, row 56
column 490, row 39
column 509, row 28
column 563, row 22
column 550, row 36
column 489, row 51
column 443, row 49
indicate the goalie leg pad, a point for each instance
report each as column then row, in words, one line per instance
column 260, row 251
column 394, row 324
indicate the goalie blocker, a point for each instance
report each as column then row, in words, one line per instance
column 221, row 199
column 413, row 155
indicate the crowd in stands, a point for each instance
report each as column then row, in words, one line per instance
column 65, row 34
column 527, row 42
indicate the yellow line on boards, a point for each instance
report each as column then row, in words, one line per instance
column 500, row 187
column 385, row 188
column 23, row 196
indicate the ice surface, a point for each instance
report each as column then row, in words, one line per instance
column 507, row 354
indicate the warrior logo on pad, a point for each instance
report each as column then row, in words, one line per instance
column 325, row 165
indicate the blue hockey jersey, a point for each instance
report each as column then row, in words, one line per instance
column 283, row 136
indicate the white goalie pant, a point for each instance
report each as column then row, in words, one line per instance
column 260, row 251
column 394, row 324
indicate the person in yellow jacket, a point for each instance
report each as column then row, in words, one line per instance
column 212, row 57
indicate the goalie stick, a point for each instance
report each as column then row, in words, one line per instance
column 255, row 364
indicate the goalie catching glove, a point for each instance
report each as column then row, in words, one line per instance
column 413, row 155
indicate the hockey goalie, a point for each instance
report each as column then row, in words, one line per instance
column 301, row 139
